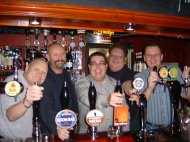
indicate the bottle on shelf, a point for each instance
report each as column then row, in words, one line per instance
column 27, row 58
column 135, row 63
column 27, row 40
column 44, row 49
column 72, row 44
column 10, row 59
column 81, row 38
column 64, row 96
column 35, row 52
column 92, row 96
column 75, row 60
column 5, row 58
column 54, row 38
column 45, row 39
column 79, row 56
column 63, row 41
column 139, row 64
column 26, row 50
column 69, row 60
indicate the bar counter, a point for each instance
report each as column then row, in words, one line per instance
column 102, row 137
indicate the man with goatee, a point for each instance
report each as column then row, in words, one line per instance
column 50, row 105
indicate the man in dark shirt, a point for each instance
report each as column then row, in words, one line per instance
column 118, row 70
column 50, row 105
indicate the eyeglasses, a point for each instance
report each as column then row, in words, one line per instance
column 94, row 64
column 116, row 57
column 153, row 55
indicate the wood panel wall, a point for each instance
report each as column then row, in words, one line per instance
column 174, row 50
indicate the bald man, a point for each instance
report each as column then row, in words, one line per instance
column 16, row 116
column 51, row 102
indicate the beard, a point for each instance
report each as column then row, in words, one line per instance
column 59, row 64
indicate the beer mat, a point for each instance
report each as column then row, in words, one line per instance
column 121, row 115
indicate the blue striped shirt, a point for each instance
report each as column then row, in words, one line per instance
column 159, row 109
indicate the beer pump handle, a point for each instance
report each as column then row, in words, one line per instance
column 155, row 68
column 143, row 112
column 92, row 96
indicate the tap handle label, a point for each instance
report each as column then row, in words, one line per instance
column 138, row 83
column 163, row 72
column 94, row 117
column 12, row 88
column 173, row 72
column 66, row 119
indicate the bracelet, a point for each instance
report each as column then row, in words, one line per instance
column 24, row 103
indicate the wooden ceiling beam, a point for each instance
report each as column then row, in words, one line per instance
column 17, row 13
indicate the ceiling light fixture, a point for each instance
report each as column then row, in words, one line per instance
column 129, row 27
column 34, row 21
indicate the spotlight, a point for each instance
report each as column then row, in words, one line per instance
column 34, row 21
column 129, row 27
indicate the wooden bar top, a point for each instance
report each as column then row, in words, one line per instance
column 102, row 137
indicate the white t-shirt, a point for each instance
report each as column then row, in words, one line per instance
column 22, row 127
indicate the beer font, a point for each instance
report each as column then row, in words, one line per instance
column 92, row 96
column 92, row 102
column 64, row 96
column 36, row 133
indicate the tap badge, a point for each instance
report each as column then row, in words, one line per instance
column 163, row 72
column 94, row 117
column 173, row 72
column 12, row 88
column 66, row 119
column 138, row 83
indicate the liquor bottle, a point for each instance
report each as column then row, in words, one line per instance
column 27, row 58
column 142, row 65
column 27, row 40
column 10, row 60
column 64, row 96
column 5, row 59
column 135, row 63
column 33, row 53
column 45, row 39
column 72, row 43
column 36, row 43
column 81, row 36
column 118, row 88
column 63, row 41
column 92, row 96
column 79, row 56
column 69, row 60
column 54, row 38
column 75, row 60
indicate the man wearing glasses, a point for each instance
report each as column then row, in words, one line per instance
column 159, row 112
column 106, row 98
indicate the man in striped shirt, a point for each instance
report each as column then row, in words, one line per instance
column 159, row 108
